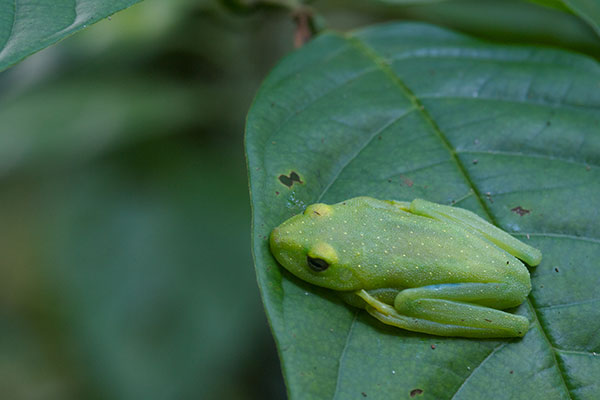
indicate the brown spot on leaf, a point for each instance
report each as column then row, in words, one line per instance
column 520, row 210
column 415, row 392
column 488, row 320
column 512, row 371
column 433, row 347
column 289, row 180
column 277, row 193
column 407, row 181
column 556, row 269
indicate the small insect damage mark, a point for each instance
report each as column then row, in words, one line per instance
column 407, row 181
column 289, row 180
column 555, row 269
column 488, row 320
column 416, row 392
column 433, row 347
column 520, row 210
column 363, row 394
column 475, row 161
column 489, row 197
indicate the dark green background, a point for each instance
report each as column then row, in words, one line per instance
column 125, row 267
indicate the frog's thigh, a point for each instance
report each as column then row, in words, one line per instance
column 464, row 305
column 474, row 223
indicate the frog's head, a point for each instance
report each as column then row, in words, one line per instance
column 308, row 247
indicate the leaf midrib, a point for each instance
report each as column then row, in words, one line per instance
column 379, row 61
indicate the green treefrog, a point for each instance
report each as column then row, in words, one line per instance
column 417, row 265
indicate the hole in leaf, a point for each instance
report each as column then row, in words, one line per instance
column 289, row 180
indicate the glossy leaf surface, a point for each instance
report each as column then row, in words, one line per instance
column 27, row 27
column 404, row 111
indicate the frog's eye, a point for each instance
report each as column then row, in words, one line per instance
column 317, row 264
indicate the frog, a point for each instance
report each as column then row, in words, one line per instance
column 419, row 266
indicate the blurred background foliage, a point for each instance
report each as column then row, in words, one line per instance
column 125, row 266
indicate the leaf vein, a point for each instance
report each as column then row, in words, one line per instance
column 561, row 373
column 379, row 61
column 530, row 102
column 360, row 149
column 343, row 354
column 529, row 155
column 573, row 303
column 494, row 351
column 558, row 235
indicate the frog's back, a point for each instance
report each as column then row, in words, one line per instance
column 409, row 250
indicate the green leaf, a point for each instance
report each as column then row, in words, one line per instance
column 402, row 111
column 588, row 10
column 407, row 2
column 27, row 27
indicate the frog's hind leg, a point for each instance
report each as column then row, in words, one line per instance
column 453, row 310
column 472, row 222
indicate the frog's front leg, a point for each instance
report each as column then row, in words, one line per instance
column 476, row 224
column 461, row 309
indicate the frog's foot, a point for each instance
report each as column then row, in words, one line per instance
column 445, row 317
column 472, row 222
